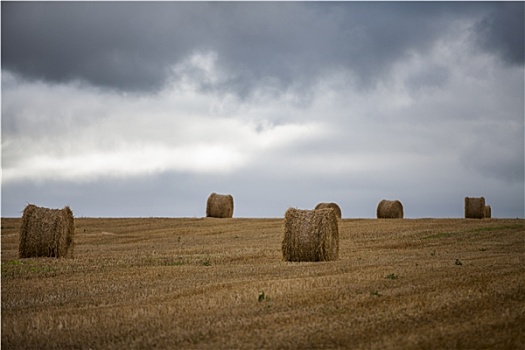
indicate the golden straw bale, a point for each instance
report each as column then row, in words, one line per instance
column 334, row 206
column 46, row 232
column 219, row 206
column 488, row 212
column 310, row 235
column 387, row 209
column 474, row 207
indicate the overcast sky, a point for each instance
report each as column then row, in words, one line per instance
column 143, row 109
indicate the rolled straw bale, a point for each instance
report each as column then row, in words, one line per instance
column 310, row 235
column 387, row 209
column 219, row 206
column 474, row 207
column 46, row 232
column 488, row 212
column 334, row 206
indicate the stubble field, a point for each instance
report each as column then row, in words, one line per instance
column 222, row 284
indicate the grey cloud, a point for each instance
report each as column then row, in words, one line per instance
column 489, row 155
column 259, row 192
column 132, row 46
column 432, row 77
column 443, row 123
column 502, row 31
column 117, row 45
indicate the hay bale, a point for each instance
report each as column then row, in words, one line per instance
column 387, row 209
column 310, row 235
column 46, row 232
column 488, row 212
column 219, row 206
column 334, row 206
column 474, row 207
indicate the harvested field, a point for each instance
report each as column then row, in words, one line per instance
column 222, row 284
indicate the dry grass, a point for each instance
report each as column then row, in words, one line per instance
column 222, row 283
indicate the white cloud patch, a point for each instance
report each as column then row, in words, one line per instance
column 73, row 132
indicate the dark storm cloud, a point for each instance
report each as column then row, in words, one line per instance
column 115, row 45
column 502, row 31
column 132, row 46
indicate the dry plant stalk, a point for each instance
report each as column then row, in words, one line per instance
column 219, row 206
column 488, row 212
column 474, row 207
column 387, row 209
column 46, row 232
column 310, row 235
column 334, row 206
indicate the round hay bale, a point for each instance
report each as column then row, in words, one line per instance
column 488, row 212
column 219, row 206
column 46, row 232
column 387, row 209
column 310, row 235
column 474, row 207
column 334, row 206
